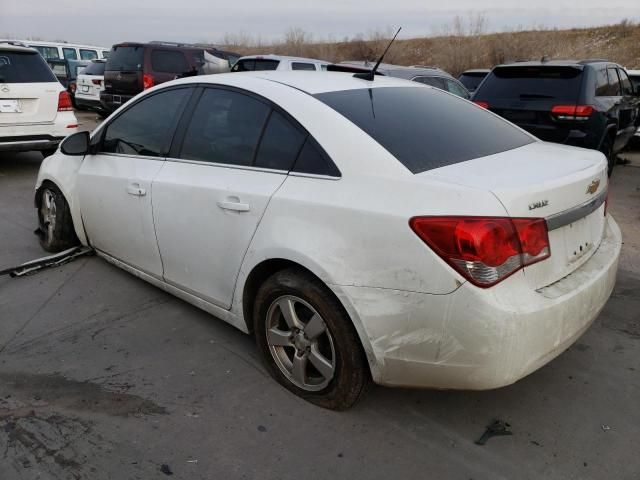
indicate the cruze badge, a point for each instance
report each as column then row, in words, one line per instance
column 540, row 204
column 593, row 187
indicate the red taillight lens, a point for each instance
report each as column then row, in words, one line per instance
column 147, row 81
column 482, row 104
column 64, row 102
column 572, row 112
column 96, row 81
column 485, row 250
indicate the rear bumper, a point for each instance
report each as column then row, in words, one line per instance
column 29, row 142
column 479, row 339
column 110, row 101
column 37, row 136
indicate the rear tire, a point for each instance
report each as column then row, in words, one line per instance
column 308, row 342
column 56, row 231
column 607, row 149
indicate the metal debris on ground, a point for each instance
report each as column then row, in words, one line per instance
column 56, row 260
column 495, row 429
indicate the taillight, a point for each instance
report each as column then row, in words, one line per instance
column 147, row 81
column 64, row 102
column 482, row 104
column 572, row 112
column 485, row 250
column 96, row 81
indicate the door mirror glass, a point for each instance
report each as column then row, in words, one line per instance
column 76, row 144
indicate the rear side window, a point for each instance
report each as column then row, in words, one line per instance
column 602, row 83
column 627, row 89
column 94, row 68
column 280, row 144
column 125, row 58
column 225, row 128
column 472, row 80
column 250, row 65
column 302, row 66
column 70, row 53
column 88, row 54
column 313, row 160
column 421, row 126
column 635, row 80
column 432, row 81
column 168, row 61
column 532, row 83
column 19, row 67
column 50, row 53
column 456, row 89
column 146, row 127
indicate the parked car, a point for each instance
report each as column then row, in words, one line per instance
column 63, row 50
column 432, row 76
column 35, row 110
column 251, row 63
column 634, row 76
column 347, row 224
column 588, row 103
column 134, row 67
column 90, row 83
column 472, row 78
column 66, row 71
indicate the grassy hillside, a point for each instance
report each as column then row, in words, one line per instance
column 455, row 53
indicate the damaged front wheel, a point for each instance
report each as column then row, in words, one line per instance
column 55, row 229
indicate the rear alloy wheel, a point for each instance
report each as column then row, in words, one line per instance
column 56, row 232
column 308, row 342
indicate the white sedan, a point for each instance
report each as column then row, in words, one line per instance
column 361, row 230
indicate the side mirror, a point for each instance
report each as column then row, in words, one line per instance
column 76, row 144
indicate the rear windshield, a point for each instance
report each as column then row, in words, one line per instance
column 251, row 64
column 21, row 67
column 123, row 58
column 472, row 80
column 425, row 128
column 532, row 83
column 94, row 68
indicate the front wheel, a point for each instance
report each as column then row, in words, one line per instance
column 308, row 341
column 56, row 232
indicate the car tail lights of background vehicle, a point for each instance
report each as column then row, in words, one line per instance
column 482, row 104
column 147, row 81
column 485, row 250
column 64, row 102
column 572, row 112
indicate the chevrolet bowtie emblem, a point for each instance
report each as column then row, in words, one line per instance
column 593, row 187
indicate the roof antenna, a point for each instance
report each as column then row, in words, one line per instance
column 370, row 75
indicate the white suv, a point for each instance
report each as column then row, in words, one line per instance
column 252, row 63
column 35, row 109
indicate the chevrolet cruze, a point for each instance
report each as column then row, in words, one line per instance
column 362, row 230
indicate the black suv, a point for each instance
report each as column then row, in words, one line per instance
column 590, row 103
column 134, row 67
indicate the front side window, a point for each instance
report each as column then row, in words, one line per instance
column 614, row 82
column 302, row 66
column 146, row 127
column 168, row 61
column 49, row 53
column 88, row 54
column 225, row 128
column 421, row 126
column 70, row 53
column 24, row 67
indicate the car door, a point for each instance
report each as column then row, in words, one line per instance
column 628, row 109
column 114, row 184
column 232, row 153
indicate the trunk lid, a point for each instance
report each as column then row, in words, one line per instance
column 543, row 180
column 29, row 103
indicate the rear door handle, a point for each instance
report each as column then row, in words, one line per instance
column 234, row 204
column 135, row 189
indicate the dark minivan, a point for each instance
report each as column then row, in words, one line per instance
column 134, row 67
column 590, row 103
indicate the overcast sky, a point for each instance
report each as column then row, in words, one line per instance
column 106, row 22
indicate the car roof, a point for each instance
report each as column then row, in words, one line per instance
column 633, row 72
column 271, row 56
column 476, row 70
column 400, row 71
column 12, row 47
column 559, row 63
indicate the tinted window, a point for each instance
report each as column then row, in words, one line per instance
column 48, row 52
column 168, row 61
column 17, row 67
column 627, row 89
column 280, row 144
column 70, row 53
column 225, row 128
column 531, row 83
column 421, row 126
column 602, row 83
column 146, row 127
column 302, row 66
column 635, row 80
column 313, row 160
column 250, row 64
column 433, row 81
column 122, row 58
column 88, row 54
column 472, row 80
column 614, row 82
column 456, row 89
column 94, row 68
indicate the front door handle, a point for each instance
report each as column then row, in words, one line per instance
column 135, row 189
column 233, row 203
